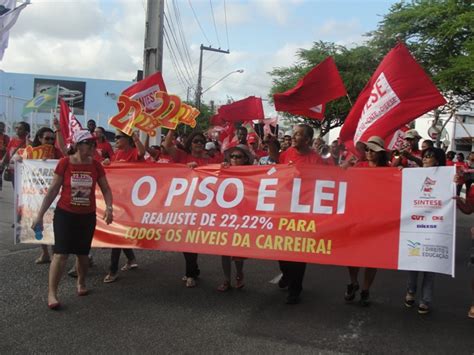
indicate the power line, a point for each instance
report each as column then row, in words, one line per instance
column 214, row 20
column 178, row 48
column 177, row 14
column 174, row 61
column 226, row 31
column 197, row 20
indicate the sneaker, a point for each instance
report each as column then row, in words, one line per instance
column 423, row 308
column 351, row 292
column 364, row 298
column 190, row 282
column 409, row 299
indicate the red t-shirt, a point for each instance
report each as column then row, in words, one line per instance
column 4, row 140
column 78, row 189
column 103, row 150
column 291, row 155
column 130, row 155
column 183, row 158
column 12, row 148
column 449, row 163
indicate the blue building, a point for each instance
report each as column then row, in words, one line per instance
column 89, row 98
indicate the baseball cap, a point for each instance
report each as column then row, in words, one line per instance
column 82, row 135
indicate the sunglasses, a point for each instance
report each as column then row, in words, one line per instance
column 198, row 141
column 236, row 156
column 368, row 150
column 89, row 143
column 49, row 139
column 118, row 137
column 429, row 156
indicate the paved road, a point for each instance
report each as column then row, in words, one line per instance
column 149, row 310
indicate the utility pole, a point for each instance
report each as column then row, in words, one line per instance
column 153, row 51
column 199, row 85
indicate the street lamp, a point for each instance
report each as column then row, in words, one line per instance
column 225, row 76
column 200, row 93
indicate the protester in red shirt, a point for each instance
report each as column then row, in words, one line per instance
column 299, row 152
column 4, row 139
column 432, row 157
column 22, row 130
column 75, row 216
column 467, row 206
column 410, row 155
column 376, row 156
column 450, row 158
column 235, row 156
column 103, row 148
column 193, row 155
column 129, row 149
column 461, row 168
column 45, row 136
column 253, row 142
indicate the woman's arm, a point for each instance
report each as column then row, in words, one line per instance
column 169, row 146
column 48, row 199
column 107, row 192
column 139, row 145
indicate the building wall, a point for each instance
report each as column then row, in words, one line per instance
column 99, row 103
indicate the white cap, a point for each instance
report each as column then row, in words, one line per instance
column 210, row 145
column 82, row 135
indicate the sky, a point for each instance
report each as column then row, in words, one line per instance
column 104, row 39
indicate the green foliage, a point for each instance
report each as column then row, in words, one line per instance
column 355, row 65
column 440, row 36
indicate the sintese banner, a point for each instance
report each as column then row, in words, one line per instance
column 382, row 218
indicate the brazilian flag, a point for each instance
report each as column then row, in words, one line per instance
column 44, row 100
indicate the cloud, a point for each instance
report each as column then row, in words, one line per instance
column 339, row 31
column 74, row 20
column 237, row 14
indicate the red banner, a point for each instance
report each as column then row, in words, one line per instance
column 281, row 212
column 398, row 92
column 310, row 95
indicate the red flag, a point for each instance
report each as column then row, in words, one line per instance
column 145, row 89
column 310, row 95
column 247, row 109
column 67, row 121
column 398, row 92
column 216, row 120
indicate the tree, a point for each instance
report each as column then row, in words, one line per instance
column 355, row 65
column 439, row 35
column 203, row 120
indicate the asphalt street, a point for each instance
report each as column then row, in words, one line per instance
column 149, row 310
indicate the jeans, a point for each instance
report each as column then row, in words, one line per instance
column 427, row 285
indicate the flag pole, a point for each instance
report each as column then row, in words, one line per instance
column 348, row 98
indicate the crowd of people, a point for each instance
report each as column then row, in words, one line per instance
column 90, row 152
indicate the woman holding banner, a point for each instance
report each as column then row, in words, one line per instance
column 467, row 206
column 431, row 157
column 235, row 156
column 74, row 220
column 376, row 156
column 45, row 138
column 131, row 150
column 193, row 155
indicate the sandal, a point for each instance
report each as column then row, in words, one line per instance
column 470, row 314
column 225, row 286
column 190, row 282
column 239, row 282
column 409, row 299
column 423, row 308
column 130, row 265
column 43, row 260
column 110, row 278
